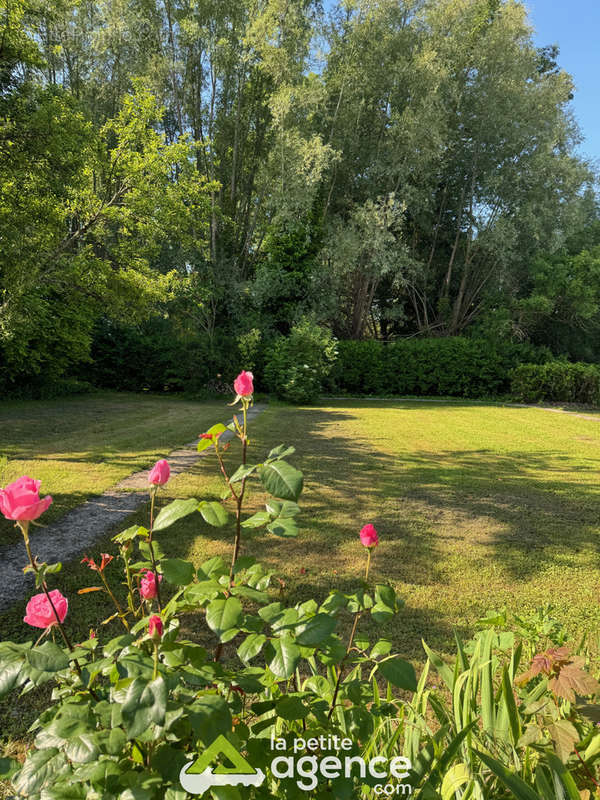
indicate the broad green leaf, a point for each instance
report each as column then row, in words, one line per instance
column 251, row 646
column 381, row 613
column 209, row 716
column 130, row 534
column 291, row 707
column 400, row 673
column 285, row 508
column 213, row 568
column 257, row 520
column 283, row 526
column 173, row 512
column 316, row 630
column 281, row 480
column 145, row 703
column 12, row 661
column 82, row 749
column 385, row 595
column 284, row 656
column 213, row 513
column 47, row 657
column 177, row 571
column 41, row 766
column 224, row 615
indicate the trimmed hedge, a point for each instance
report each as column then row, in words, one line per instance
column 557, row 381
column 455, row 367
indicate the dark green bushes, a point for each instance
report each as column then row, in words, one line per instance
column 440, row 367
column 557, row 381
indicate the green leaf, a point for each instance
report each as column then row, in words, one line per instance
column 516, row 785
column 130, row 534
column 251, row 646
column 47, row 657
column 283, row 526
column 213, row 513
column 281, row 480
column 456, row 777
column 209, row 716
column 400, row 673
column 291, row 707
column 40, row 767
column 223, row 615
column 562, row 775
column 145, row 703
column 213, row 568
column 381, row 614
column 216, row 430
column 281, row 451
column 257, row 520
column 173, row 512
column 12, row 660
column 177, row 571
column 316, row 630
column 284, row 655
column 385, row 595
column 82, row 749
column 243, row 471
column 8, row 767
column 285, row 509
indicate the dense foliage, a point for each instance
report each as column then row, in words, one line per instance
column 454, row 366
column 557, row 381
column 227, row 168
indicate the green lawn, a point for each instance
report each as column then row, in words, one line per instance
column 80, row 446
column 477, row 506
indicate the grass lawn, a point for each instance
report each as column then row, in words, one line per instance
column 477, row 506
column 80, row 446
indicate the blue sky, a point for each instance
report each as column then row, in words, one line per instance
column 575, row 26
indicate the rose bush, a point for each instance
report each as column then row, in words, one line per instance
column 129, row 713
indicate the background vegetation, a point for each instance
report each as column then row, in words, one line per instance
column 179, row 176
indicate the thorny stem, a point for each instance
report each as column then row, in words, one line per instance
column 151, row 547
column 240, row 497
column 350, row 643
column 24, row 529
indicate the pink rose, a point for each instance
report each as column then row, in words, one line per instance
column 39, row 612
column 155, row 627
column 21, row 500
column 148, row 585
column 160, row 473
column 368, row 536
column 243, row 384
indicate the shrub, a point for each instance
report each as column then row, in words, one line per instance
column 557, row 381
column 455, row 366
column 297, row 366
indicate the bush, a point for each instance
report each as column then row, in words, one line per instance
column 456, row 367
column 298, row 365
column 557, row 381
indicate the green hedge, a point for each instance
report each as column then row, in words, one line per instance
column 455, row 367
column 557, row 381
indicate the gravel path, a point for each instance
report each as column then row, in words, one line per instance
column 84, row 525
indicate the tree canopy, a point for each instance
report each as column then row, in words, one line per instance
column 390, row 167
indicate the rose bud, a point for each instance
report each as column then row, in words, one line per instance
column 155, row 627
column 368, row 536
column 148, row 588
column 244, row 384
column 160, row 473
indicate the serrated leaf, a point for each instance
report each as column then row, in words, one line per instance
column 282, row 480
column 174, row 512
column 564, row 736
column 145, row 703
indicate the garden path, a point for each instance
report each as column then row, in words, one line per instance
column 81, row 527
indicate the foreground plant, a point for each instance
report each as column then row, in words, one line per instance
column 130, row 713
column 281, row 685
